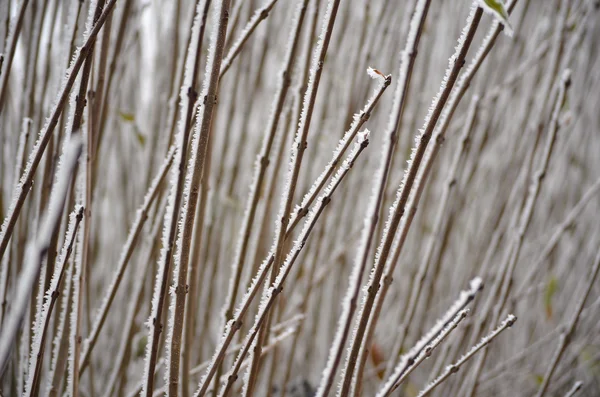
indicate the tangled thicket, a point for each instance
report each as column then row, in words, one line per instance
column 299, row 197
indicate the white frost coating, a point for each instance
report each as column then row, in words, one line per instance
column 476, row 284
column 354, row 279
column 89, row 23
column 62, row 318
column 247, row 373
column 75, row 321
column 43, row 312
column 510, row 319
column 363, row 136
column 167, row 221
column 125, row 253
column 32, row 162
column 380, row 179
column 375, row 74
column 464, row 298
column 35, row 251
column 357, row 121
column 170, row 214
column 423, row 347
column 315, row 70
column 418, row 137
column 264, row 153
column 21, row 148
column 243, row 35
column 291, row 257
column 311, row 218
column 194, row 145
column 299, row 140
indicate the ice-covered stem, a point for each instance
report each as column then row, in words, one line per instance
column 273, row 291
column 263, row 161
column 554, row 239
column 464, row 82
column 19, row 163
column 84, row 186
column 453, row 368
column 407, row 62
column 289, row 327
column 399, row 206
column 195, row 277
column 194, row 176
column 234, row 326
column 260, row 170
column 187, row 98
column 259, row 15
column 273, row 343
column 436, row 233
column 297, row 151
column 7, row 59
column 409, row 361
column 42, row 321
column 235, row 323
column 431, row 155
column 359, row 120
column 38, row 250
column 307, row 291
column 136, row 299
column 504, row 282
column 575, row 389
column 35, row 157
column 567, row 333
column 408, row 364
column 130, row 243
column 55, row 374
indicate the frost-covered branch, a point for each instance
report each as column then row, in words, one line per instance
column 26, row 181
column 259, row 15
column 37, row 250
column 503, row 284
column 446, row 323
column 126, row 253
column 407, row 63
column 453, row 368
column 399, row 206
column 42, row 321
column 273, row 291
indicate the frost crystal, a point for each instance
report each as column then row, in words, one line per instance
column 374, row 73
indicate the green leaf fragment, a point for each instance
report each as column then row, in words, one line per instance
column 140, row 349
column 129, row 117
column 140, row 137
column 551, row 289
column 497, row 9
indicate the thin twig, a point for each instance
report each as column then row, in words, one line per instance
column 35, row 157
column 43, row 318
column 277, row 287
column 259, row 15
column 399, row 205
column 126, row 253
column 405, row 73
column 453, row 368
column 38, row 250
